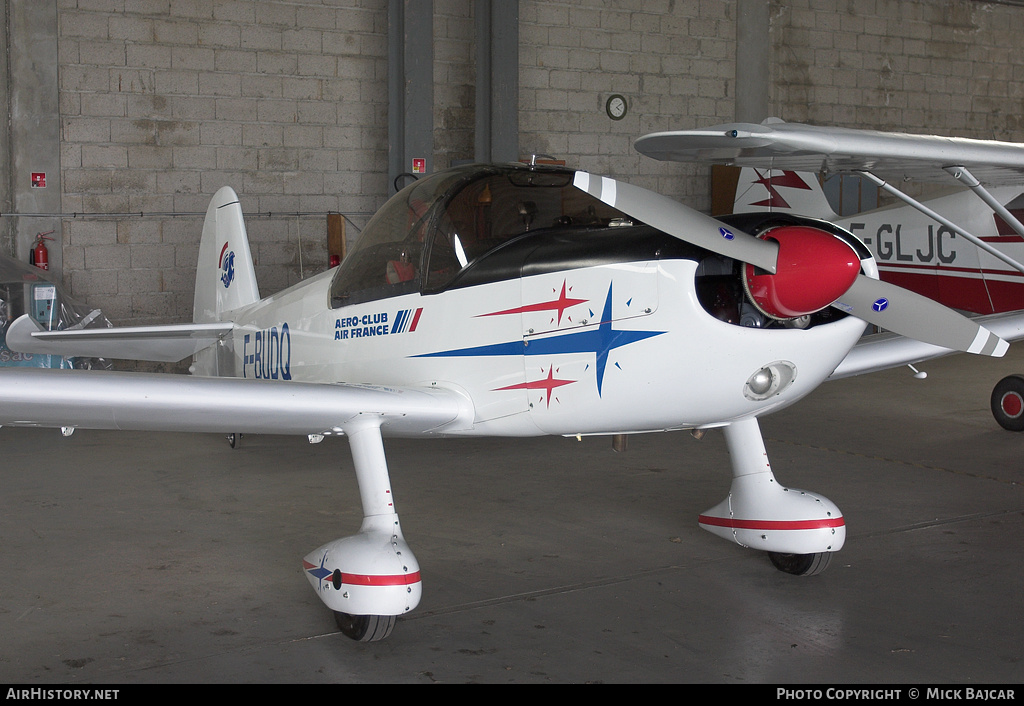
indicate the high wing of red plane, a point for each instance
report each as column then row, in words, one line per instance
column 775, row 144
column 511, row 301
column 963, row 247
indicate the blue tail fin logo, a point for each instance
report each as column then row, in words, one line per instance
column 227, row 266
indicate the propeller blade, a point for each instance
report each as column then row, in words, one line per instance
column 677, row 220
column 914, row 316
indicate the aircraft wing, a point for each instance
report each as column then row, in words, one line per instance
column 887, row 350
column 156, row 343
column 163, row 402
column 806, row 148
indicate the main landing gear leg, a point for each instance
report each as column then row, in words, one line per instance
column 371, row 577
column 797, row 529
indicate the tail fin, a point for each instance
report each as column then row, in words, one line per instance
column 781, row 191
column 225, row 278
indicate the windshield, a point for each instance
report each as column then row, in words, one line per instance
column 387, row 257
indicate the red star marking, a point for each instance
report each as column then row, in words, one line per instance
column 787, row 178
column 549, row 383
column 560, row 305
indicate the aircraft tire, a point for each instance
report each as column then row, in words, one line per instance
column 364, row 628
column 234, row 439
column 1008, row 402
column 801, row 564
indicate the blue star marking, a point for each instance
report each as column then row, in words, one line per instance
column 880, row 304
column 320, row 571
column 600, row 341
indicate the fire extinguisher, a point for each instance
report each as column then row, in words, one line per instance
column 40, row 255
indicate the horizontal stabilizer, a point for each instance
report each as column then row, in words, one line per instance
column 167, row 344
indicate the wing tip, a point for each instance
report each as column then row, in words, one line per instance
column 20, row 334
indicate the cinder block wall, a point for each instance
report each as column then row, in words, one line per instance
column 673, row 61
column 164, row 101
column 949, row 67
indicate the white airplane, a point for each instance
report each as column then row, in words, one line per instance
column 962, row 247
column 510, row 301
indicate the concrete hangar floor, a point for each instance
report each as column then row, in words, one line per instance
column 167, row 558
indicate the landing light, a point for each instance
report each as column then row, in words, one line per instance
column 761, row 383
column 770, row 380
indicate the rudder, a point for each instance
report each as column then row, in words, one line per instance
column 781, row 191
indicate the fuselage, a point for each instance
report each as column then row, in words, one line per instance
column 914, row 251
column 561, row 324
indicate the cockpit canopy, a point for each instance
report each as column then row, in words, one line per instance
column 432, row 232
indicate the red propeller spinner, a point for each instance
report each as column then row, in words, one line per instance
column 814, row 269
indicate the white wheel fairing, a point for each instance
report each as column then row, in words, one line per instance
column 761, row 514
column 373, row 572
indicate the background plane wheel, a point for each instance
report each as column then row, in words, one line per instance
column 234, row 439
column 1008, row 402
column 801, row 564
column 364, row 628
